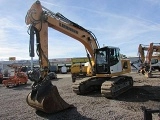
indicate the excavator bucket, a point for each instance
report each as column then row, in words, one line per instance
column 47, row 99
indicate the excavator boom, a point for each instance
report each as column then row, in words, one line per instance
column 40, row 18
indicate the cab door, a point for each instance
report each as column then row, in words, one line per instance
column 114, row 60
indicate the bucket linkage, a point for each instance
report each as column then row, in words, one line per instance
column 44, row 95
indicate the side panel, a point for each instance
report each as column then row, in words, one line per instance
column 116, row 68
column 126, row 66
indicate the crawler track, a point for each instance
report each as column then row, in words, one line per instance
column 116, row 86
column 87, row 85
column 110, row 87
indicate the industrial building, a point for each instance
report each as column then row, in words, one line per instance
column 58, row 62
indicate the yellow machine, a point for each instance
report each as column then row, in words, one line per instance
column 107, row 67
column 149, row 62
column 80, row 68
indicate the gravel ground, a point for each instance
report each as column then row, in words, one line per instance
column 128, row 106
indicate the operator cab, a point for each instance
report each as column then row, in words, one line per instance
column 107, row 60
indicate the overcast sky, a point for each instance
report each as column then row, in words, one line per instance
column 121, row 23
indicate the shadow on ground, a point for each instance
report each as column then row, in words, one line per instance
column 56, row 79
column 141, row 94
column 69, row 114
column 135, row 94
column 22, row 87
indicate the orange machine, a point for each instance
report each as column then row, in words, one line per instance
column 106, row 69
column 149, row 62
column 15, row 77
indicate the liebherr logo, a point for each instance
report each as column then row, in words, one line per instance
column 68, row 28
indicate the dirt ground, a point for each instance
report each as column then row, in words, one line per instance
column 128, row 106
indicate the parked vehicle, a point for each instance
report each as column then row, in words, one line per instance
column 63, row 69
column 15, row 77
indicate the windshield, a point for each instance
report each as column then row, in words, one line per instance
column 101, row 57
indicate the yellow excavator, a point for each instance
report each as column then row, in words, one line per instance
column 107, row 67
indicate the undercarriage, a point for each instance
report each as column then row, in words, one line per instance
column 110, row 87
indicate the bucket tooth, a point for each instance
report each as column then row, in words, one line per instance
column 47, row 100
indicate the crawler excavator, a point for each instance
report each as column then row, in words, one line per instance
column 149, row 62
column 107, row 69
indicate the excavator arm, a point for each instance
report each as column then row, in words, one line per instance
column 150, row 49
column 40, row 19
column 153, row 47
column 141, row 51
